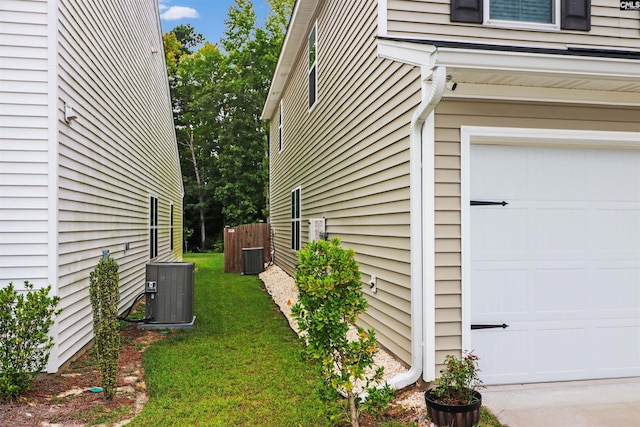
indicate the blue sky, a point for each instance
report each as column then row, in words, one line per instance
column 206, row 16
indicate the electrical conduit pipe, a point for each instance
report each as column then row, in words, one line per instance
column 432, row 94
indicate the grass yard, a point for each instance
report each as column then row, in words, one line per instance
column 239, row 366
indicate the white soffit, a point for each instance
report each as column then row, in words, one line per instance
column 493, row 74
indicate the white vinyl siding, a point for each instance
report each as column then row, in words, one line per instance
column 24, row 150
column 120, row 149
column 430, row 20
column 352, row 165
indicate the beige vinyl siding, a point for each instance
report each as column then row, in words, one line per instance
column 450, row 116
column 610, row 27
column 351, row 162
column 24, row 157
column 118, row 152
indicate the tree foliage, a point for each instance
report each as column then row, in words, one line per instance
column 218, row 92
column 104, row 293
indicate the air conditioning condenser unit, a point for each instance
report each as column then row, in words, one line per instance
column 169, row 295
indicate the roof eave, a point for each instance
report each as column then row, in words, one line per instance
column 294, row 40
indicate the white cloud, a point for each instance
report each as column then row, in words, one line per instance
column 162, row 5
column 178, row 12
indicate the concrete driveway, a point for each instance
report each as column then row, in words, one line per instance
column 610, row 403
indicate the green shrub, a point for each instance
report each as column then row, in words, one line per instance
column 330, row 300
column 104, row 292
column 25, row 320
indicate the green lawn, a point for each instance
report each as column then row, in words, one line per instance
column 239, row 366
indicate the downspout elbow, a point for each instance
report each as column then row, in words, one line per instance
column 430, row 100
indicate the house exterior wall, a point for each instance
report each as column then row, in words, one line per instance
column 450, row 116
column 351, row 160
column 119, row 151
column 349, row 154
column 24, row 150
column 430, row 20
column 69, row 190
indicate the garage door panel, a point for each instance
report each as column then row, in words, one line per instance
column 490, row 185
column 500, row 291
column 514, row 345
column 560, row 230
column 545, row 172
column 615, row 176
column 616, row 231
column 565, row 350
column 500, row 231
column 616, row 291
column 560, row 264
column 559, row 291
column 618, row 351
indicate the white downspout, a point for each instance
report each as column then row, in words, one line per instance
column 431, row 95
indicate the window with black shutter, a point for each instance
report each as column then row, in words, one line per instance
column 573, row 14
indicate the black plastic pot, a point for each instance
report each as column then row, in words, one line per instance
column 453, row 415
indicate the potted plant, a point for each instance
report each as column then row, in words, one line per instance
column 455, row 400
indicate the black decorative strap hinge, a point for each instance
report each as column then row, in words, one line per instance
column 486, row 203
column 503, row 326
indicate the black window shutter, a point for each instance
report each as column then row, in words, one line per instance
column 466, row 11
column 576, row 15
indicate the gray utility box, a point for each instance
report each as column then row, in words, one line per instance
column 252, row 260
column 169, row 294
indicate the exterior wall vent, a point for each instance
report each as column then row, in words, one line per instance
column 252, row 260
column 169, row 295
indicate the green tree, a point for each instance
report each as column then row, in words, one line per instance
column 188, row 37
column 198, row 109
column 252, row 54
column 217, row 94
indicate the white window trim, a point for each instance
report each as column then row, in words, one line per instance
column 153, row 243
column 382, row 18
column 313, row 29
column 172, row 233
column 299, row 219
column 280, row 128
column 521, row 25
column 519, row 137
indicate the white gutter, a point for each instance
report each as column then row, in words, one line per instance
column 422, row 273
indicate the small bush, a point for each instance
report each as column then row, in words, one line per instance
column 104, row 292
column 25, row 320
column 330, row 300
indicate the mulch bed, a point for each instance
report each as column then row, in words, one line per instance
column 64, row 398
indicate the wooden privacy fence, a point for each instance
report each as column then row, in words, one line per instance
column 245, row 236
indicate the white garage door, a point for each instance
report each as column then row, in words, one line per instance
column 560, row 264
